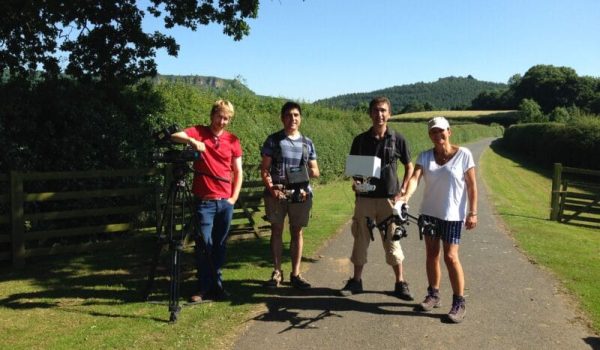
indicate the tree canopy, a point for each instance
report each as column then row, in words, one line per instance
column 549, row 86
column 445, row 93
column 103, row 39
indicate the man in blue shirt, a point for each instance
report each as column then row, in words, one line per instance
column 289, row 160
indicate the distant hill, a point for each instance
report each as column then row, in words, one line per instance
column 205, row 82
column 446, row 93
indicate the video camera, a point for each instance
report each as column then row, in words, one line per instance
column 162, row 138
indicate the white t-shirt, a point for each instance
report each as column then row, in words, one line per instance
column 445, row 187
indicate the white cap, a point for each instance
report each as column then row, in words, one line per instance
column 438, row 122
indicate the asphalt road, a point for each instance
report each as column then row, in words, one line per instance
column 511, row 303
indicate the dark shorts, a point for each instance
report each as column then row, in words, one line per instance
column 448, row 231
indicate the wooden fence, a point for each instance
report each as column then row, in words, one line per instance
column 575, row 196
column 59, row 212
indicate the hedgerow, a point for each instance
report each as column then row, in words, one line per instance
column 575, row 144
column 67, row 125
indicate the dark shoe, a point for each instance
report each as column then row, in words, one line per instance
column 220, row 294
column 401, row 291
column 299, row 282
column 352, row 287
column 432, row 300
column 276, row 279
column 458, row 311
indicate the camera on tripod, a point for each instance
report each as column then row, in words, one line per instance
column 166, row 153
column 177, row 220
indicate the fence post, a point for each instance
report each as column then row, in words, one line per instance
column 555, row 196
column 17, row 220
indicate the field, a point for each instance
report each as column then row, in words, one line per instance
column 448, row 114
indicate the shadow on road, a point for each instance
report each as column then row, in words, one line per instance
column 593, row 342
column 285, row 304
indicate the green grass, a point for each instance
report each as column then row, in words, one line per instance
column 521, row 195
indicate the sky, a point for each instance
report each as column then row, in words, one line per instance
column 314, row 49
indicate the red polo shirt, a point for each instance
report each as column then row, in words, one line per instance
column 215, row 162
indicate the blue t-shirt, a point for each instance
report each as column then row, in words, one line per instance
column 291, row 153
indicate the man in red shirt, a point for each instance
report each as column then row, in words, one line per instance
column 216, row 187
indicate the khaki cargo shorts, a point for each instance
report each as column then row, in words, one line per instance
column 297, row 213
column 378, row 209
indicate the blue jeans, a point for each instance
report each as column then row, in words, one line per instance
column 214, row 217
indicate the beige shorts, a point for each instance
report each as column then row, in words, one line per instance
column 378, row 209
column 297, row 213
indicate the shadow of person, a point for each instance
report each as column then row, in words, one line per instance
column 305, row 308
column 593, row 342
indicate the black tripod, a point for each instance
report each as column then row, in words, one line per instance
column 177, row 221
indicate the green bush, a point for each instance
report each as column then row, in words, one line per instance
column 559, row 115
column 576, row 144
column 530, row 112
column 66, row 125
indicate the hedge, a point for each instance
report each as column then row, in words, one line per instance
column 576, row 144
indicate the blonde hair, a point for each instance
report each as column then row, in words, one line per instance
column 222, row 105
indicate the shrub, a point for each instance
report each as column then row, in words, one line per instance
column 66, row 125
column 575, row 144
column 530, row 112
column 559, row 115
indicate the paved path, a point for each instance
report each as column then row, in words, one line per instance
column 511, row 303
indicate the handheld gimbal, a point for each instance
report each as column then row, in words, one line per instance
column 401, row 218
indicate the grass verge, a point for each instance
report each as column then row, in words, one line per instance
column 521, row 195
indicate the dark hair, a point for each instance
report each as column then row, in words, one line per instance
column 289, row 105
column 381, row 99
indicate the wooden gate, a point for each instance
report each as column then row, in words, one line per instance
column 575, row 196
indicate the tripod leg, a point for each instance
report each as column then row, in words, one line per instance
column 160, row 244
column 152, row 273
column 174, row 308
column 164, row 226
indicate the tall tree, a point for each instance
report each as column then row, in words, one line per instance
column 549, row 86
column 103, row 39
